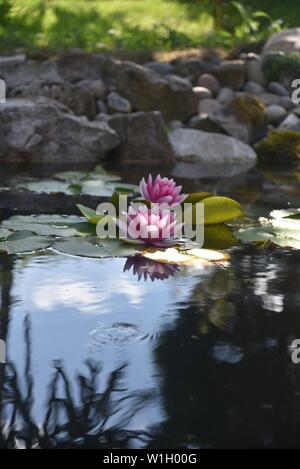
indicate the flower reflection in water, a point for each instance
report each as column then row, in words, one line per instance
column 143, row 267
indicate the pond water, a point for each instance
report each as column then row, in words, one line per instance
column 100, row 356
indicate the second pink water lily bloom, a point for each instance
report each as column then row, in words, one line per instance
column 149, row 226
column 161, row 190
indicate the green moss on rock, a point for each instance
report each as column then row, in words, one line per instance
column 280, row 147
column 278, row 64
column 249, row 109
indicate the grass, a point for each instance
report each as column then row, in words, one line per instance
column 121, row 24
column 105, row 24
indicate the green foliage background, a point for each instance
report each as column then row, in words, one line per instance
column 139, row 24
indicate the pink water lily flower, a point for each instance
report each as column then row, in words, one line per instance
column 152, row 226
column 161, row 190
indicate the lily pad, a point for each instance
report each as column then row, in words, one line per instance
column 195, row 197
column 168, row 256
column 209, row 255
column 26, row 244
column 100, row 188
column 286, row 227
column 254, row 234
column 90, row 214
column 286, row 213
column 4, row 233
column 46, row 186
column 220, row 209
column 287, row 242
column 218, row 237
column 94, row 247
column 48, row 225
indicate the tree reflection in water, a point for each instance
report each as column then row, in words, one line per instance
column 229, row 381
column 100, row 420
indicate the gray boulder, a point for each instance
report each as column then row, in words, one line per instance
column 204, row 153
column 254, row 71
column 44, row 131
column 207, row 106
column 291, row 122
column 144, row 139
column 287, row 40
column 276, row 113
column 191, row 68
column 78, row 98
column 253, row 87
column 12, row 59
column 225, row 95
column 277, row 88
column 147, row 91
column 117, row 103
column 230, row 73
column 209, row 81
column 163, row 68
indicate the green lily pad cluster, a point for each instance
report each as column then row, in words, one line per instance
column 66, row 234
column 76, row 235
column 282, row 229
column 97, row 183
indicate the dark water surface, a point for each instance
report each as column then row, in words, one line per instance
column 202, row 359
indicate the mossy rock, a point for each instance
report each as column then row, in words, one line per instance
column 280, row 147
column 280, row 66
column 249, row 109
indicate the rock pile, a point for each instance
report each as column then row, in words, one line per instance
column 84, row 107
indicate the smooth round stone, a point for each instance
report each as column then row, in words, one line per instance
column 175, row 124
column 98, row 88
column 225, row 95
column 117, row 103
column 291, row 122
column 210, row 82
column 276, row 113
column 270, row 98
column 254, row 71
column 253, row 88
column 206, row 106
column 202, row 93
column 286, row 102
column 276, row 88
column 163, row 68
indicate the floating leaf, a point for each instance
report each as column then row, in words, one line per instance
column 94, row 247
column 4, row 233
column 27, row 244
column 287, row 242
column 90, row 214
column 70, row 176
column 168, row 256
column 219, row 210
column 46, row 186
column 96, row 188
column 286, row 213
column 195, row 197
column 286, row 227
column 218, row 237
column 46, row 225
column 254, row 234
column 209, row 255
column 20, row 235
